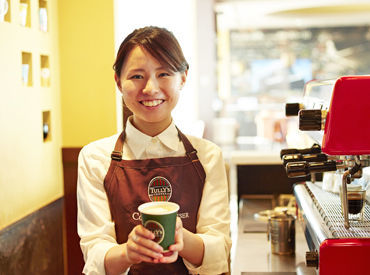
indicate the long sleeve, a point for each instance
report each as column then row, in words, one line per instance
column 213, row 217
column 95, row 227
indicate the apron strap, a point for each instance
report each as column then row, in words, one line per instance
column 117, row 152
column 190, row 150
column 192, row 154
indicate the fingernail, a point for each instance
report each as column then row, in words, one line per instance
column 168, row 253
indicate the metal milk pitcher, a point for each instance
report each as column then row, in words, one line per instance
column 281, row 233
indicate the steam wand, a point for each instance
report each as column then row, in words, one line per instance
column 347, row 179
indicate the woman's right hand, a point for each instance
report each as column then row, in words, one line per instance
column 140, row 246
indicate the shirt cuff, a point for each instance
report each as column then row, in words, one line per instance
column 214, row 259
column 95, row 260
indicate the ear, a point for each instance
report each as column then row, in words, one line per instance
column 118, row 82
column 183, row 78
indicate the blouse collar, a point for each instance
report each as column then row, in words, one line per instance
column 138, row 141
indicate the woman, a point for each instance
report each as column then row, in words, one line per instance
column 150, row 71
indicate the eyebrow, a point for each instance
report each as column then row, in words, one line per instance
column 135, row 70
column 142, row 70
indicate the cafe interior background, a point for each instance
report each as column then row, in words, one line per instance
column 247, row 59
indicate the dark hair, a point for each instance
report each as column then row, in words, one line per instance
column 159, row 42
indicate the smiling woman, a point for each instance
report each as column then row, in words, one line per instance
column 150, row 71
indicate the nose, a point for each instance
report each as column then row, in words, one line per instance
column 151, row 86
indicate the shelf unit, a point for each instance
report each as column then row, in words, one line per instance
column 30, row 106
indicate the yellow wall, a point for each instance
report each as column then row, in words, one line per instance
column 87, row 79
column 30, row 169
column 80, row 98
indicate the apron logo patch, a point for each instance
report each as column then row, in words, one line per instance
column 156, row 228
column 159, row 189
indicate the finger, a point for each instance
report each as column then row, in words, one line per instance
column 143, row 232
column 138, row 249
column 138, row 258
column 179, row 241
column 169, row 259
column 178, row 223
column 147, row 243
column 141, row 235
column 175, row 247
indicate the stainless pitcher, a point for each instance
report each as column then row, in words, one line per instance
column 281, row 233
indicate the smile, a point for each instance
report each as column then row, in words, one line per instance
column 152, row 103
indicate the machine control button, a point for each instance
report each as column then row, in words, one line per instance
column 292, row 109
column 312, row 259
column 310, row 120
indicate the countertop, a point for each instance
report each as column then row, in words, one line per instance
column 255, row 157
column 252, row 252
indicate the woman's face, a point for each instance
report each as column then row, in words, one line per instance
column 149, row 90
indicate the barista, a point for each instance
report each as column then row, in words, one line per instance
column 115, row 174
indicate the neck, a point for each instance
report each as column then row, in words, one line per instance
column 150, row 128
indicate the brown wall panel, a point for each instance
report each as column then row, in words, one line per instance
column 75, row 260
column 34, row 244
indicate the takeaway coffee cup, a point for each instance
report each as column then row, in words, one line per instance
column 160, row 218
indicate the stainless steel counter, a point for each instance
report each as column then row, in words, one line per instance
column 251, row 251
column 252, row 254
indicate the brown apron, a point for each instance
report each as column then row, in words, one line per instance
column 130, row 183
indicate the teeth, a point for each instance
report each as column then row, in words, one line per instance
column 151, row 103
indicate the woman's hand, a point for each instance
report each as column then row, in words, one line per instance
column 177, row 246
column 140, row 246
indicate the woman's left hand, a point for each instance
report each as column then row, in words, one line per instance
column 177, row 246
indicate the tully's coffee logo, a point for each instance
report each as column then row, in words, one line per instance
column 159, row 189
column 156, row 228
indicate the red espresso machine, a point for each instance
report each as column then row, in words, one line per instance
column 336, row 115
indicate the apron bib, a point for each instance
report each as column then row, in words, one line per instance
column 129, row 183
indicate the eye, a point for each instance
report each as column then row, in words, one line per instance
column 136, row 76
column 164, row 74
